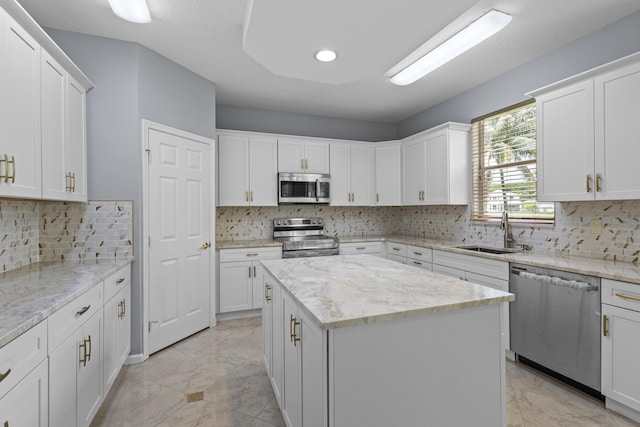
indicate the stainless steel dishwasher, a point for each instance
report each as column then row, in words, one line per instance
column 555, row 322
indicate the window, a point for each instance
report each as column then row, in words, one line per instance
column 504, row 166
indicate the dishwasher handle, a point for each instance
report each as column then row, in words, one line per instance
column 557, row 281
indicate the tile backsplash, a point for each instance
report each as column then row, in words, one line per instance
column 47, row 231
column 571, row 235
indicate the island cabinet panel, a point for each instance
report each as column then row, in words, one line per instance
column 415, row 379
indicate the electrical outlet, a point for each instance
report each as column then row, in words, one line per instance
column 596, row 226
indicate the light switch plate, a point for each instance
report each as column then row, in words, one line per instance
column 596, row 226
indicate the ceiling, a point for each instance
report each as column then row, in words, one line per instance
column 260, row 53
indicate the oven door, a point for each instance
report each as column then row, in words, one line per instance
column 311, row 188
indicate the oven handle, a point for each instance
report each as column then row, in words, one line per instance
column 317, row 189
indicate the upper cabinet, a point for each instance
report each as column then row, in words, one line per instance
column 388, row 174
column 435, row 166
column 42, row 114
column 299, row 155
column 247, row 169
column 586, row 133
column 352, row 169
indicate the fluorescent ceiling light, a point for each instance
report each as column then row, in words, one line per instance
column 326, row 55
column 135, row 11
column 473, row 34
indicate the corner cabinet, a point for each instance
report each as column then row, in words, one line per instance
column 435, row 166
column 248, row 169
column 352, row 169
column 590, row 120
column 42, row 114
column 621, row 347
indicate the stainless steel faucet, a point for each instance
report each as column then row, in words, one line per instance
column 504, row 225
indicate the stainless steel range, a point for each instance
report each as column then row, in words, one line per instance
column 303, row 237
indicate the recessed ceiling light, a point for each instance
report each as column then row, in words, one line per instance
column 326, row 55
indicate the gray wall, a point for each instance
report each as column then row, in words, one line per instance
column 257, row 120
column 615, row 41
column 132, row 83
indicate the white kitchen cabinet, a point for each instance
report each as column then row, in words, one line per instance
column 352, row 174
column 621, row 347
column 241, row 277
column 419, row 257
column 299, row 155
column 76, row 141
column 589, row 119
column 482, row 271
column 117, row 324
column 20, row 153
column 435, row 166
column 388, row 173
column 27, row 403
column 371, row 248
column 75, row 376
column 248, row 166
column 396, row 251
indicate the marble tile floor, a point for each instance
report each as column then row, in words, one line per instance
column 224, row 364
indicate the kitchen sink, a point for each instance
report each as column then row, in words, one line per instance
column 490, row 250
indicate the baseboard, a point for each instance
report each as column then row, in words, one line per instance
column 510, row 355
column 239, row 314
column 132, row 359
column 618, row 407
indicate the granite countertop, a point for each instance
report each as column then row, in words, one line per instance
column 347, row 290
column 615, row 270
column 30, row 294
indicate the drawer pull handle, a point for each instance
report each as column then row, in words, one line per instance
column 119, row 281
column 417, row 263
column 89, row 353
column 252, row 254
column 631, row 297
column 84, row 310
column 604, row 325
column 361, row 248
column 5, row 375
column 418, row 253
column 396, row 249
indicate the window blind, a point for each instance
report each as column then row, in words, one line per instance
column 503, row 158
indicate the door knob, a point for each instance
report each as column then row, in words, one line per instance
column 205, row 245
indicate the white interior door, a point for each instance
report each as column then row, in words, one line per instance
column 179, row 237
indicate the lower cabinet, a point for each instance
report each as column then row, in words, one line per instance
column 75, row 376
column 117, row 334
column 372, row 248
column 27, row 403
column 240, row 280
column 621, row 347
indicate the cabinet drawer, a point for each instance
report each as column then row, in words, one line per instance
column 396, row 249
column 21, row 355
column 419, row 254
column 250, row 254
column 361, row 248
column 73, row 315
column 397, row 258
column 420, row 264
column 118, row 280
column 474, row 264
column 621, row 294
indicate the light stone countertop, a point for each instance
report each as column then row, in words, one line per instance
column 348, row 290
column 30, row 294
column 623, row 271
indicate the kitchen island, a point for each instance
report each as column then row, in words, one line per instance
column 358, row 340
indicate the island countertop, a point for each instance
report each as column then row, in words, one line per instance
column 347, row 290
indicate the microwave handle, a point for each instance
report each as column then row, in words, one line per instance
column 317, row 190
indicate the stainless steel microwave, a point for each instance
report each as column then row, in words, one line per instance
column 303, row 188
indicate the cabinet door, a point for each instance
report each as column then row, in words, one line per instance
column 388, row 175
column 314, row 373
column 258, row 285
column 436, row 168
column 277, row 365
column 263, row 171
column 620, row 355
column 27, row 404
column 63, row 370
column 124, row 325
column 316, row 156
column 290, row 155
column 617, row 108
column 413, row 171
column 236, row 285
column 76, row 152
column 565, row 158
column 117, row 335
column 340, row 174
column 233, row 174
column 54, row 170
column 291, row 389
column 448, row 271
column 19, row 111
column 267, row 321
column 90, row 385
column 361, row 173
